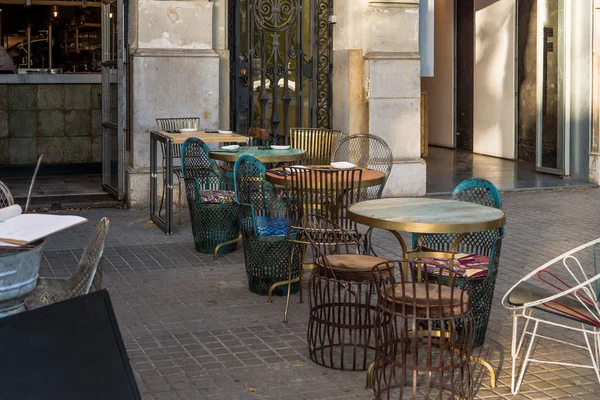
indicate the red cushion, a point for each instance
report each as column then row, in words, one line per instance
column 467, row 265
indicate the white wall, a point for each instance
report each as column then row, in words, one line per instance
column 494, row 76
column 440, row 88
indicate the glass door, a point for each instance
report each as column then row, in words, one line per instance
column 552, row 141
column 113, row 97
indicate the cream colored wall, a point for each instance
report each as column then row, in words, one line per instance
column 440, row 87
column 494, row 78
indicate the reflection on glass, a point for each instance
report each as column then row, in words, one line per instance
column 550, row 49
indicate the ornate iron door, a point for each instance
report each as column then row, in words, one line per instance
column 280, row 64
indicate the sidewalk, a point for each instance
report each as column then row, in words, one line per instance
column 194, row 331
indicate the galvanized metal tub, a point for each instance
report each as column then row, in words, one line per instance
column 18, row 275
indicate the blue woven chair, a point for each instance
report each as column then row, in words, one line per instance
column 266, row 230
column 212, row 203
column 481, row 246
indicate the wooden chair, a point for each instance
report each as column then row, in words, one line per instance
column 318, row 143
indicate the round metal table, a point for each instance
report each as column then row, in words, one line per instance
column 265, row 156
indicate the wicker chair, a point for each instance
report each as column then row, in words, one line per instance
column 341, row 294
column 212, row 204
column 318, row 143
column 366, row 151
column 266, row 230
column 86, row 278
column 173, row 124
column 485, row 245
column 6, row 198
column 424, row 333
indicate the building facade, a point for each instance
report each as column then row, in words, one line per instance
column 180, row 65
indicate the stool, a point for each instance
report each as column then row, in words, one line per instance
column 424, row 334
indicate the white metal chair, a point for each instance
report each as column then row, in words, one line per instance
column 567, row 289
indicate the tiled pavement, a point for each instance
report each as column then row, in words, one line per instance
column 194, row 331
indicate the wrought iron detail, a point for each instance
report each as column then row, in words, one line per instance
column 280, row 53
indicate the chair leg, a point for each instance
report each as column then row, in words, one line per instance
column 593, row 353
column 180, row 205
column 526, row 358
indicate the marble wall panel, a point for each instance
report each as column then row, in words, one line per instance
column 95, row 99
column 4, row 151
column 96, row 124
column 51, row 96
column 53, row 149
column 22, row 123
column 51, row 123
column 77, row 123
column 3, row 123
column 4, row 97
column 22, row 97
column 96, row 149
column 77, row 97
column 22, row 150
column 78, row 149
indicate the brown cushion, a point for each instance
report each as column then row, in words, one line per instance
column 353, row 266
column 428, row 300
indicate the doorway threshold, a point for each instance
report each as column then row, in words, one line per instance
column 448, row 167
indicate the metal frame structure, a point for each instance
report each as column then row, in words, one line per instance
column 113, row 58
column 163, row 222
column 576, row 302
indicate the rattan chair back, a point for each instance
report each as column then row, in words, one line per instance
column 86, row 278
column 318, row 143
column 6, row 197
column 366, row 151
column 424, row 333
column 197, row 166
column 325, row 192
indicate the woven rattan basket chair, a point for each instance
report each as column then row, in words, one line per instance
column 318, row 143
column 211, row 200
column 424, row 334
column 341, row 297
column 485, row 245
column 268, row 252
column 86, row 278
column 6, row 197
column 174, row 124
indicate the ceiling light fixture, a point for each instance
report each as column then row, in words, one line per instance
column 55, row 11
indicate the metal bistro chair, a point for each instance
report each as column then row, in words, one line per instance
column 212, row 203
column 318, row 143
column 341, row 325
column 266, row 230
column 174, row 124
column 86, row 278
column 366, row 151
column 560, row 305
column 424, row 333
column 325, row 192
column 478, row 254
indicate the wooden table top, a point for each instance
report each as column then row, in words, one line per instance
column 179, row 138
column 265, row 156
column 370, row 177
column 425, row 215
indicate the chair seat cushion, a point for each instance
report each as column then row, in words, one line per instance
column 353, row 267
column 428, row 300
column 217, row 197
column 467, row 265
column 565, row 306
column 268, row 226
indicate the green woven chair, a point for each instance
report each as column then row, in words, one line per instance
column 478, row 248
column 212, row 203
column 266, row 230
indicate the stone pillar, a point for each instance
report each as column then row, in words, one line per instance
column 595, row 142
column 380, row 94
column 174, row 73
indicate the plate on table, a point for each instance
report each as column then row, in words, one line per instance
column 188, row 130
column 278, row 147
column 342, row 165
column 225, row 132
column 231, row 149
